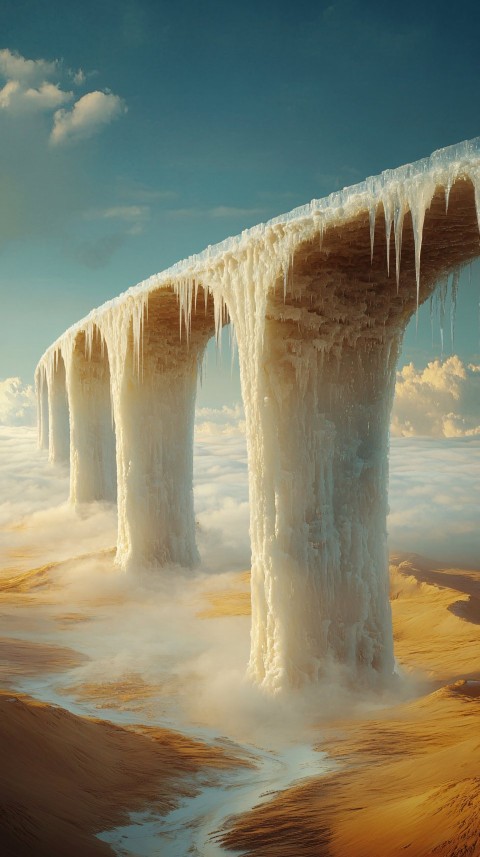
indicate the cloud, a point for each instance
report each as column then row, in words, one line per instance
column 79, row 77
column 87, row 117
column 433, row 498
column 225, row 420
column 133, row 216
column 433, row 493
column 48, row 96
column 28, row 72
column 28, row 88
column 17, row 403
column 34, row 86
column 443, row 400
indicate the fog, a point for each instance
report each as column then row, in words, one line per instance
column 160, row 649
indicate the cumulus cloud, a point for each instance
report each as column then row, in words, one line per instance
column 442, row 400
column 28, row 86
column 34, row 86
column 17, row 403
column 29, row 72
column 88, row 116
column 225, row 420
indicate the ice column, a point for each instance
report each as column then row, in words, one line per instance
column 92, row 437
column 58, row 411
column 317, row 396
column 318, row 480
column 41, row 385
column 155, row 391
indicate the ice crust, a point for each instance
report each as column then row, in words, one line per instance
column 116, row 395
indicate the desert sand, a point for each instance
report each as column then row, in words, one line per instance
column 408, row 776
column 64, row 778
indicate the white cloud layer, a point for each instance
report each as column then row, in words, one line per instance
column 17, row 403
column 88, row 115
column 442, row 400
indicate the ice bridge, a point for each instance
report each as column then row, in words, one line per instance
column 319, row 299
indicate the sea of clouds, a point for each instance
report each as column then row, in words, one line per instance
column 434, row 467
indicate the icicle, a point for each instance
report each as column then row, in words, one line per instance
column 447, row 190
column 287, row 265
column 418, row 204
column 233, row 347
column 320, row 227
column 442, row 299
column 387, row 210
column 372, row 216
column 475, row 177
column 89, row 331
column 218, row 309
column 138, row 326
column 399, row 214
column 453, row 302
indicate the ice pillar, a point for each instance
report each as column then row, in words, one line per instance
column 58, row 412
column 318, row 449
column 41, row 384
column 154, row 412
column 92, row 437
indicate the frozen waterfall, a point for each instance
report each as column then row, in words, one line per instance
column 319, row 299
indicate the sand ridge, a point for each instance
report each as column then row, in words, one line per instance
column 64, row 778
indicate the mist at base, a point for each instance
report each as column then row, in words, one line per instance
column 172, row 647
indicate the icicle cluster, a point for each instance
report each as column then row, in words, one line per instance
column 116, row 393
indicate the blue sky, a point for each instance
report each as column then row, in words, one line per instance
column 147, row 130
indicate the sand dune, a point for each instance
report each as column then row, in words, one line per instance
column 408, row 781
column 408, row 777
column 63, row 778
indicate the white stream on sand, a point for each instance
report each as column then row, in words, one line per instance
column 191, row 828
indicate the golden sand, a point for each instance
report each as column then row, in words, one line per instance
column 409, row 776
column 234, row 601
column 408, row 780
column 63, row 777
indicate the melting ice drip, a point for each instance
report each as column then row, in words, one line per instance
column 318, row 299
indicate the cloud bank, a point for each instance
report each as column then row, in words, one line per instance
column 17, row 403
column 442, row 400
